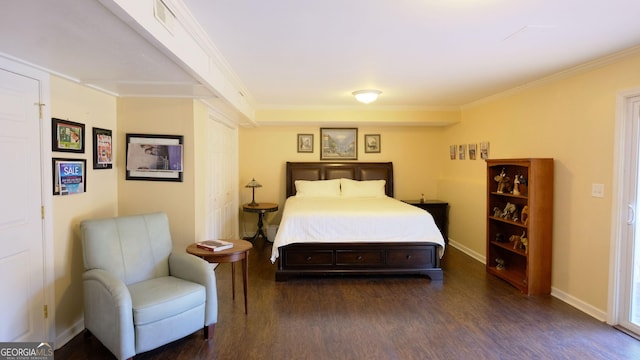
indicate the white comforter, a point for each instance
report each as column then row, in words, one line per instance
column 338, row 219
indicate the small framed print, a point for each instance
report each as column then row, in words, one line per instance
column 339, row 144
column 472, row 151
column 69, row 176
column 372, row 143
column 462, row 150
column 452, row 151
column 305, row 143
column 102, row 149
column 484, row 150
column 154, row 157
column 67, row 136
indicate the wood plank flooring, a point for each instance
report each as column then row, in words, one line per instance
column 470, row 315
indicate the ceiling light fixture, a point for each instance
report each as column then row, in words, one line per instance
column 366, row 96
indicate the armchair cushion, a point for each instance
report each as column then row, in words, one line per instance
column 163, row 297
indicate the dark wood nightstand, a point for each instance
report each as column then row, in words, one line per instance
column 440, row 212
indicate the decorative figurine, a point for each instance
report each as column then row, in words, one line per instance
column 500, row 238
column 508, row 211
column 421, row 198
column 524, row 215
column 515, row 239
column 500, row 264
column 516, row 183
column 525, row 242
column 503, row 182
column 497, row 212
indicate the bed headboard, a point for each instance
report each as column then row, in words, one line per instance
column 337, row 170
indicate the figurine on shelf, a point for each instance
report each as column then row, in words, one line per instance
column 524, row 215
column 515, row 239
column 508, row 211
column 525, row 242
column 421, row 198
column 500, row 264
column 503, row 182
column 516, row 183
column 497, row 212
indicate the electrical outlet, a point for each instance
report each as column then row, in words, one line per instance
column 597, row 190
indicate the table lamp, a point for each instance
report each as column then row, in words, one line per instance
column 253, row 184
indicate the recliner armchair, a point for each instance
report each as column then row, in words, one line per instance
column 138, row 294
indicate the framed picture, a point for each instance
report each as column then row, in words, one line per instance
column 473, row 148
column 154, row 157
column 462, row 151
column 484, row 150
column 102, row 149
column 372, row 143
column 69, row 176
column 67, row 136
column 452, row 151
column 339, row 144
column 305, row 143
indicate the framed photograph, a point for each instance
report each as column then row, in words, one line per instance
column 67, row 136
column 484, row 150
column 339, row 144
column 305, row 143
column 372, row 143
column 462, row 150
column 452, row 151
column 472, row 151
column 69, row 176
column 154, row 157
column 102, row 149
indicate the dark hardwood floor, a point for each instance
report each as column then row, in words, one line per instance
column 471, row 315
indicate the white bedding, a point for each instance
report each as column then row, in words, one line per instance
column 340, row 219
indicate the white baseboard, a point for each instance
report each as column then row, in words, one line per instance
column 69, row 334
column 579, row 304
column 480, row 257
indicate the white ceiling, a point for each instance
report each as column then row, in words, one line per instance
column 314, row 53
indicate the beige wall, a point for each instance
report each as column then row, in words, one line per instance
column 418, row 153
column 179, row 200
column 572, row 120
column 78, row 103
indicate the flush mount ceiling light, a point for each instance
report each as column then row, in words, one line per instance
column 366, row 96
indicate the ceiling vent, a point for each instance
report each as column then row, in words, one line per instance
column 164, row 15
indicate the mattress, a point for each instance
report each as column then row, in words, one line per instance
column 340, row 219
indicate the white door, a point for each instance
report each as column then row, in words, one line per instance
column 222, row 180
column 627, row 263
column 21, row 225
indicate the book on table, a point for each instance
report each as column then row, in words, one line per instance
column 214, row 245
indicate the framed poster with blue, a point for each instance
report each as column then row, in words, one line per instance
column 69, row 176
column 154, row 157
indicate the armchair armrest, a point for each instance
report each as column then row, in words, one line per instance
column 192, row 268
column 108, row 312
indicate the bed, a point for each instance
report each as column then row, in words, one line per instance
column 345, row 240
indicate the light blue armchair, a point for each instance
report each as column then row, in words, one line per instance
column 138, row 294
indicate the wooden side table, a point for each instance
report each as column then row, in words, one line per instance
column 260, row 209
column 239, row 251
column 437, row 209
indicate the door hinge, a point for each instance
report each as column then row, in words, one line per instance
column 40, row 105
column 46, row 312
column 42, row 212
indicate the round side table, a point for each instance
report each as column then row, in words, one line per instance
column 260, row 209
column 239, row 251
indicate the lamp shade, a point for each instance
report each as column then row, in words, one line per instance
column 253, row 184
column 367, row 96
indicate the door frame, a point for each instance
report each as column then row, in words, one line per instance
column 19, row 67
column 620, row 213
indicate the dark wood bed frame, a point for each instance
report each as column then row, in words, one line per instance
column 373, row 258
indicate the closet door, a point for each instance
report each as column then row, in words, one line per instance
column 222, row 173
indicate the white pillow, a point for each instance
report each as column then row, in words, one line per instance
column 367, row 188
column 318, row 188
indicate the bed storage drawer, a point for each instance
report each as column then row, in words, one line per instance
column 359, row 257
column 411, row 258
column 308, row 258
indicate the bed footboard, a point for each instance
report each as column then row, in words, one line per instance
column 359, row 259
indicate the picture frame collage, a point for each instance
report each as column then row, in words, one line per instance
column 461, row 151
column 338, row 143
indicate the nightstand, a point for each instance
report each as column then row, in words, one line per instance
column 439, row 210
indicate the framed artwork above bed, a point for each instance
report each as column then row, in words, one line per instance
column 339, row 144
